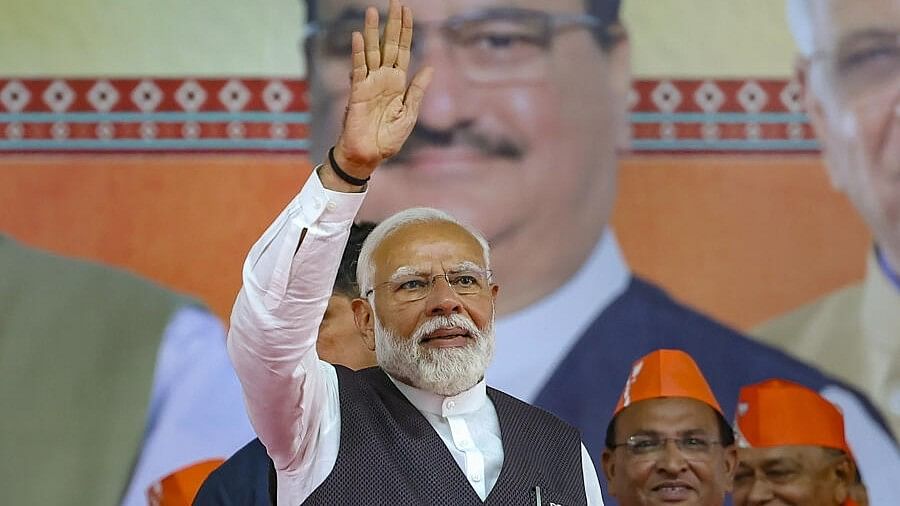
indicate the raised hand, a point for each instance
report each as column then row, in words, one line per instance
column 382, row 109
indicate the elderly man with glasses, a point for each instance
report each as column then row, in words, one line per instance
column 519, row 134
column 792, row 449
column 422, row 427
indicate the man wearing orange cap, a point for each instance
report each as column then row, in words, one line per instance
column 792, row 449
column 668, row 441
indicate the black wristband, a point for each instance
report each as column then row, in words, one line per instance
column 340, row 172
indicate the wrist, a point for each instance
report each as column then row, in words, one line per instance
column 356, row 169
column 342, row 173
column 331, row 181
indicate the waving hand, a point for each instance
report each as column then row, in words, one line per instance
column 382, row 108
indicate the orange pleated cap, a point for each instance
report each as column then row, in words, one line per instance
column 782, row 413
column 180, row 487
column 666, row 373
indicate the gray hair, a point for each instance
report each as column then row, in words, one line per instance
column 800, row 21
column 365, row 269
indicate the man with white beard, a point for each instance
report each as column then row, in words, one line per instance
column 422, row 428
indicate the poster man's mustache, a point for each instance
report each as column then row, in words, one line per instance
column 459, row 135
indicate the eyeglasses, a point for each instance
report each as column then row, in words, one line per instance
column 693, row 447
column 487, row 46
column 865, row 64
column 413, row 288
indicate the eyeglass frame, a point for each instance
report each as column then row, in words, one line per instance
column 486, row 274
column 662, row 442
column 607, row 33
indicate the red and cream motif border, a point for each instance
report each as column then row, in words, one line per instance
column 271, row 114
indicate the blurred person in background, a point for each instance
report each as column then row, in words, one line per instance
column 849, row 68
column 108, row 382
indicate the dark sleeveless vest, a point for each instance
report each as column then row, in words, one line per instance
column 390, row 454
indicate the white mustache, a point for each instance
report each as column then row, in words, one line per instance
column 446, row 322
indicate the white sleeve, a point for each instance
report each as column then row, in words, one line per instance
column 875, row 451
column 196, row 412
column 287, row 281
column 591, row 482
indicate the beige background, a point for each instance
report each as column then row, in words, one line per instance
column 672, row 38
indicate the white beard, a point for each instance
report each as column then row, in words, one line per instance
column 444, row 371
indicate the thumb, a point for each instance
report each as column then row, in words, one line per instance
column 416, row 91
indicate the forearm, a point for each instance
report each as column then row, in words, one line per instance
column 289, row 273
column 287, row 280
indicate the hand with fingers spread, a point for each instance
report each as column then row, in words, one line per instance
column 382, row 108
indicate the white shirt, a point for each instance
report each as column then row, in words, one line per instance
column 524, row 359
column 292, row 396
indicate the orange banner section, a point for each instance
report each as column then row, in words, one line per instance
column 184, row 220
column 744, row 238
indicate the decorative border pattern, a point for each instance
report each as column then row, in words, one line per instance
column 239, row 115
column 116, row 115
column 719, row 116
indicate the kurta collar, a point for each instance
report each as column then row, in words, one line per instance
column 468, row 401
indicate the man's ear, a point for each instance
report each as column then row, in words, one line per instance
column 731, row 463
column 815, row 110
column 364, row 316
column 845, row 478
column 608, row 463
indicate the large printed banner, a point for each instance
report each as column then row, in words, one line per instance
column 753, row 133
column 663, row 189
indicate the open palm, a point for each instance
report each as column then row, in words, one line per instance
column 382, row 109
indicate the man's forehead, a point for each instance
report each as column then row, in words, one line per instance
column 788, row 454
column 426, row 245
column 428, row 10
column 668, row 414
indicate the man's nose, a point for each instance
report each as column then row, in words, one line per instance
column 445, row 104
column 671, row 459
column 442, row 301
column 760, row 492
